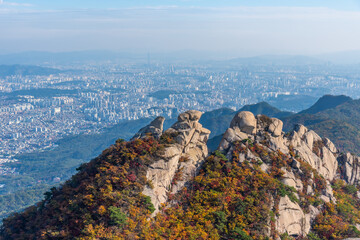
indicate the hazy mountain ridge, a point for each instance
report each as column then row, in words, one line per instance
column 13, row 70
column 326, row 102
column 42, row 57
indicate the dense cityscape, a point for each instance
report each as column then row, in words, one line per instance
column 38, row 110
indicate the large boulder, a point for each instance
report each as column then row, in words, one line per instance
column 245, row 121
column 292, row 219
column 275, row 127
column 272, row 126
column 155, row 128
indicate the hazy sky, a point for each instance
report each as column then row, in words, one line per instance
column 242, row 27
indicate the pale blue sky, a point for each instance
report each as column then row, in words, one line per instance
column 48, row 4
column 240, row 27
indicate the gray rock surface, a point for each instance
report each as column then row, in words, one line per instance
column 155, row 128
column 180, row 160
column 308, row 146
column 292, row 219
column 245, row 121
column 303, row 141
column 350, row 168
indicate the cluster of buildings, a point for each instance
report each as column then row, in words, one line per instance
column 84, row 102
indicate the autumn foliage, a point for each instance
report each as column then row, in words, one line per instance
column 229, row 199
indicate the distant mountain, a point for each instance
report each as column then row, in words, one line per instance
column 217, row 120
column 36, row 57
column 265, row 109
column 338, row 122
column 327, row 102
column 277, row 60
column 293, row 103
column 344, row 57
column 10, row 70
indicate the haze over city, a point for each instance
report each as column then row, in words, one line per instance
column 226, row 28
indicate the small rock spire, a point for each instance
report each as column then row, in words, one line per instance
column 155, row 128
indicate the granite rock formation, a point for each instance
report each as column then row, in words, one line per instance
column 186, row 156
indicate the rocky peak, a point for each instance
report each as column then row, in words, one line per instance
column 305, row 144
column 180, row 161
column 246, row 126
column 155, row 128
column 320, row 153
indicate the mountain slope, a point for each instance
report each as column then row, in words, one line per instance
column 44, row 167
column 327, row 102
column 339, row 123
column 265, row 109
column 217, row 120
column 37, row 171
column 260, row 184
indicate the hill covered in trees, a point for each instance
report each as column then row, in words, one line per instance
column 261, row 183
column 339, row 123
column 38, row 170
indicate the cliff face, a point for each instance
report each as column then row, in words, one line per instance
column 184, row 157
column 261, row 182
column 300, row 145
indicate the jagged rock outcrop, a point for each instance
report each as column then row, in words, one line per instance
column 320, row 153
column 155, row 129
column 178, row 162
column 308, row 146
column 246, row 126
column 350, row 168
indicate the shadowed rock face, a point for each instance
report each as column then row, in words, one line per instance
column 155, row 128
column 186, row 155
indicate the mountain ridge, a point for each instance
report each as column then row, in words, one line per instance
column 326, row 102
column 17, row 69
column 261, row 182
column 74, row 151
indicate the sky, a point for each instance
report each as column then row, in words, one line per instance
column 236, row 27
